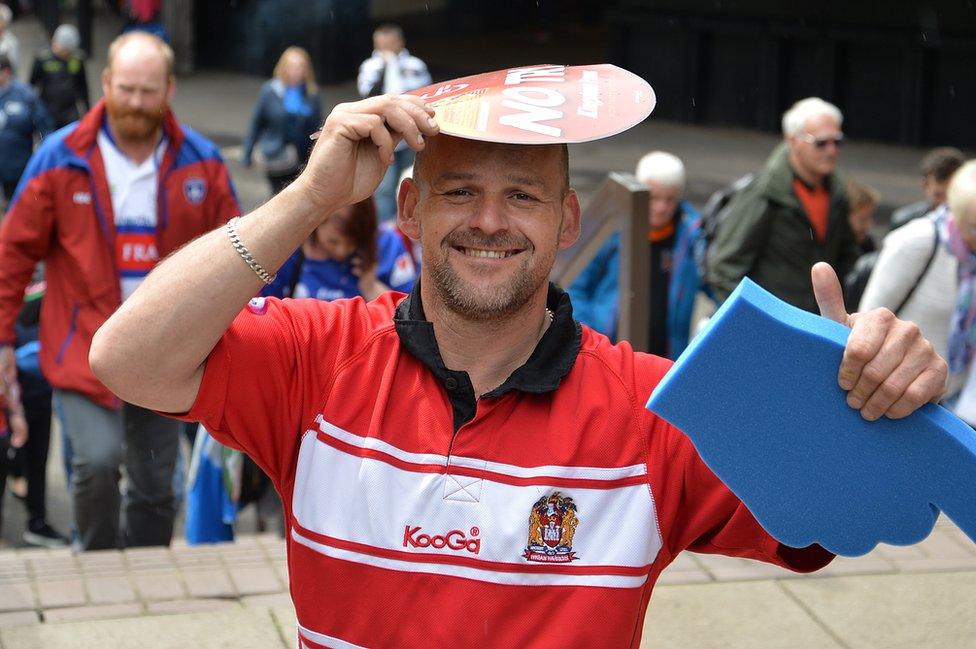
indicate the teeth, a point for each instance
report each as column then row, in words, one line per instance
column 490, row 254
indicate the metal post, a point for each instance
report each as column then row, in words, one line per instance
column 619, row 205
column 635, row 270
column 179, row 23
column 84, row 24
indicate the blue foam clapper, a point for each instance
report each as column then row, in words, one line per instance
column 757, row 394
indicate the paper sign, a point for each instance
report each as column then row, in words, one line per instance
column 541, row 104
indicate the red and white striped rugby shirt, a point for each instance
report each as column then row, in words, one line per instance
column 537, row 516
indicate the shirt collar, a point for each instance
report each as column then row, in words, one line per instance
column 550, row 361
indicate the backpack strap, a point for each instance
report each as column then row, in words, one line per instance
column 925, row 269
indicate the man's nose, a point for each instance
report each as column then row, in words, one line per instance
column 490, row 215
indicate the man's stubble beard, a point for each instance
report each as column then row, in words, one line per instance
column 503, row 301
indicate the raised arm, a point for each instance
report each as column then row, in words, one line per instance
column 153, row 350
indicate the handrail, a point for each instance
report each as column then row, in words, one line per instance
column 620, row 205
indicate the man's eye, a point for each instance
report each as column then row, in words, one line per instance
column 458, row 192
column 522, row 196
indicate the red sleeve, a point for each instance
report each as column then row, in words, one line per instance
column 699, row 513
column 270, row 373
column 24, row 240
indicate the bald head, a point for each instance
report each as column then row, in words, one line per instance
column 140, row 49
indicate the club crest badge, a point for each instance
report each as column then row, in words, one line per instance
column 195, row 190
column 552, row 524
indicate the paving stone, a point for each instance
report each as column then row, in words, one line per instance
column 18, row 618
column 900, row 551
column 942, row 544
column 937, row 564
column 274, row 600
column 110, row 590
column 897, row 611
column 964, row 541
column 684, row 561
column 282, row 570
column 61, row 592
column 208, row 583
column 254, row 580
column 190, row 606
column 16, row 596
column 198, row 560
column 158, row 585
column 684, row 577
column 870, row 564
column 731, row 615
column 735, row 569
column 54, row 566
column 286, row 623
column 227, row 629
column 100, row 612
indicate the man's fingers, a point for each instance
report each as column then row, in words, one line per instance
column 891, row 341
column 827, row 290
column 927, row 388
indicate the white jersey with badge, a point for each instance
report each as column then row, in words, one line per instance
column 134, row 188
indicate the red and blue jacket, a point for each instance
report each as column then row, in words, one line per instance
column 62, row 214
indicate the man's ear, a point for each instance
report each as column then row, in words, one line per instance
column 106, row 81
column 569, row 230
column 170, row 89
column 408, row 220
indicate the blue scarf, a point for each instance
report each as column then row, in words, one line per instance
column 295, row 101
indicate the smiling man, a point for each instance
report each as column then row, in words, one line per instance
column 791, row 216
column 463, row 462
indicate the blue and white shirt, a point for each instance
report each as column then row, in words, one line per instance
column 333, row 280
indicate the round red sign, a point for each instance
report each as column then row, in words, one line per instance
column 541, row 104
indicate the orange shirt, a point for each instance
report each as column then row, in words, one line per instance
column 816, row 203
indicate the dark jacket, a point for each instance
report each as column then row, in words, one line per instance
column 273, row 128
column 62, row 85
column 21, row 117
column 767, row 237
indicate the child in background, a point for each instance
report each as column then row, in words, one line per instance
column 348, row 255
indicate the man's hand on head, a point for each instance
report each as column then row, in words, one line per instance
column 356, row 144
column 889, row 368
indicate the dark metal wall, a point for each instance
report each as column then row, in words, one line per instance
column 901, row 72
column 249, row 35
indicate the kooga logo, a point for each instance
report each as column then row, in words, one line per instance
column 453, row 540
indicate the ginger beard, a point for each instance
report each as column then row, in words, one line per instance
column 133, row 124
column 484, row 302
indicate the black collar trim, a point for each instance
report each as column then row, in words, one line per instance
column 551, row 360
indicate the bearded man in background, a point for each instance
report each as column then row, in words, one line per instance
column 100, row 203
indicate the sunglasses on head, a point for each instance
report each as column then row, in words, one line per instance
column 822, row 142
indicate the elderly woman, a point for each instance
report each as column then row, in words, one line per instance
column 288, row 111
column 961, row 232
column 673, row 228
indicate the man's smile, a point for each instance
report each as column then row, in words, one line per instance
column 486, row 254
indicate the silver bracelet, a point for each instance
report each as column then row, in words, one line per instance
column 245, row 254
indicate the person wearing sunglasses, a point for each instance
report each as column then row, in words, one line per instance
column 792, row 215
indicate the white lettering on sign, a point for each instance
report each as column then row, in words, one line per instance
column 444, row 90
column 590, row 101
column 542, row 73
column 534, row 105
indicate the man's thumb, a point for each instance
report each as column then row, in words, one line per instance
column 827, row 290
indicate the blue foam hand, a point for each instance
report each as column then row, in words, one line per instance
column 757, row 394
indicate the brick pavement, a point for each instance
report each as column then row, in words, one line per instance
column 53, row 587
